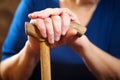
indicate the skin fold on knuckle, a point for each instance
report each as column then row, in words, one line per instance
column 65, row 23
column 57, row 25
column 58, row 32
column 42, row 28
column 49, row 29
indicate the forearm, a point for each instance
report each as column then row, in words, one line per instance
column 101, row 64
column 19, row 66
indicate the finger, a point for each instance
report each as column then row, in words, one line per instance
column 39, row 14
column 45, row 13
column 71, row 14
column 41, row 26
column 65, row 23
column 49, row 29
column 57, row 27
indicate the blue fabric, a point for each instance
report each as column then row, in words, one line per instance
column 102, row 30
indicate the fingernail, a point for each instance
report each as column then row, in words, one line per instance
column 44, row 35
column 63, row 33
column 52, row 41
column 57, row 38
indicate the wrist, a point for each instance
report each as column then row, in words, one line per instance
column 80, row 45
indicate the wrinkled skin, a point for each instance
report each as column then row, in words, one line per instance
column 53, row 24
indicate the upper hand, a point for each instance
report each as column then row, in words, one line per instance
column 54, row 23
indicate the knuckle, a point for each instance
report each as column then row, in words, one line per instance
column 32, row 21
column 48, row 20
column 48, row 9
column 56, row 18
column 65, row 9
column 56, row 8
column 40, row 24
column 66, row 15
column 35, row 12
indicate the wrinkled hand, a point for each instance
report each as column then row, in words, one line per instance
column 53, row 24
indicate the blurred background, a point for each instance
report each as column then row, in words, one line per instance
column 7, row 9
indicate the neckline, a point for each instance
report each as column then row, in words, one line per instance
column 94, row 13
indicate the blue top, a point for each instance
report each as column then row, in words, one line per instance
column 103, row 30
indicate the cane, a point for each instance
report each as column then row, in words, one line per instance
column 32, row 30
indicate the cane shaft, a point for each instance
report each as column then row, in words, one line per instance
column 45, row 61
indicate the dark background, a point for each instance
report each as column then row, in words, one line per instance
column 7, row 9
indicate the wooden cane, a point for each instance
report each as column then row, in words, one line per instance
column 32, row 30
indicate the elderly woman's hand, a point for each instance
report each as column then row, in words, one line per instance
column 54, row 23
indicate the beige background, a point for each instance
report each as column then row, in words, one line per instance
column 7, row 9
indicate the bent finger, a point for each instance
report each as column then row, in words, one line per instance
column 45, row 13
column 39, row 23
column 49, row 29
column 65, row 23
column 57, row 27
